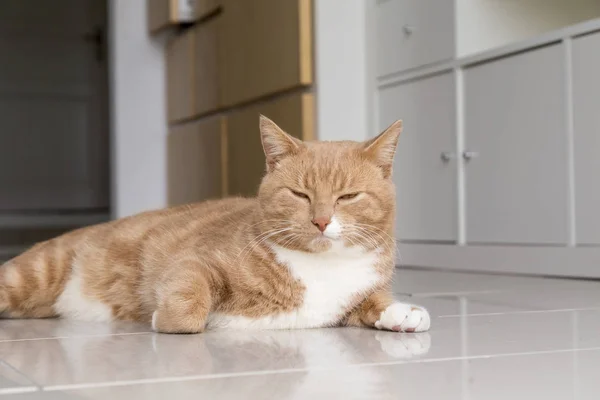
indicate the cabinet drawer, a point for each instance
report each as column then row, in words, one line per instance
column 412, row 33
column 245, row 158
column 266, row 48
column 516, row 188
column 165, row 13
column 193, row 72
column 195, row 161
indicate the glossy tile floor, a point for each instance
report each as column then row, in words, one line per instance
column 493, row 337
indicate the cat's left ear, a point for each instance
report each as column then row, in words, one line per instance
column 382, row 148
column 276, row 143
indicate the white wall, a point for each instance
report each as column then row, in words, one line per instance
column 342, row 86
column 138, row 111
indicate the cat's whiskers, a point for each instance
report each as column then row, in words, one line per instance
column 370, row 236
column 383, row 235
column 353, row 243
column 376, row 229
column 259, row 240
column 365, row 237
column 289, row 239
column 360, row 233
column 257, row 237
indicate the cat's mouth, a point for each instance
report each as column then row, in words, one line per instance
column 329, row 236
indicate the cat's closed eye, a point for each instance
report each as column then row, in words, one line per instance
column 348, row 196
column 300, row 194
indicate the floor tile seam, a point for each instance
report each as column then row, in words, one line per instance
column 76, row 337
column 519, row 312
column 31, row 382
column 172, row 379
column 18, row 390
column 428, row 295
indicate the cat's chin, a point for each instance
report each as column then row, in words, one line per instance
column 323, row 244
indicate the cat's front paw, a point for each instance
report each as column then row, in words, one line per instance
column 401, row 317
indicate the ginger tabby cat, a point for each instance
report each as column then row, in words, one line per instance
column 315, row 248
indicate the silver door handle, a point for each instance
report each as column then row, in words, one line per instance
column 446, row 156
column 468, row 155
column 408, row 29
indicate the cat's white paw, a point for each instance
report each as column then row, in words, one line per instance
column 402, row 317
column 404, row 345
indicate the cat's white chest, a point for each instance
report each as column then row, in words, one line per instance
column 332, row 280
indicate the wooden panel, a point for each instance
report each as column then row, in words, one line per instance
column 206, row 67
column 586, row 118
column 165, row 13
column 203, row 8
column 266, row 48
column 159, row 14
column 246, row 161
column 427, row 200
column 180, row 76
column 193, row 72
column 195, row 158
column 515, row 119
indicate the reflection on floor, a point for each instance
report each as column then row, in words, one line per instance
column 492, row 337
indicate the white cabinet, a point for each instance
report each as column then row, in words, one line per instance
column 522, row 194
column 426, row 184
column 412, row 33
column 409, row 34
column 586, row 119
column 516, row 186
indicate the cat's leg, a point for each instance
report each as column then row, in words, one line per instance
column 184, row 299
column 380, row 311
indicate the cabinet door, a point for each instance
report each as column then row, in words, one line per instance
column 586, row 107
column 245, row 157
column 515, row 121
column 426, row 184
column 413, row 33
column 180, row 75
column 193, row 71
column 265, row 48
column 196, row 157
column 159, row 14
column 206, row 67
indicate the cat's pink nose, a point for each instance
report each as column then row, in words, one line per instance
column 321, row 223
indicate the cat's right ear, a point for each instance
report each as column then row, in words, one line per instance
column 382, row 148
column 276, row 143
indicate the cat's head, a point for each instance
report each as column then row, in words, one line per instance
column 316, row 196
